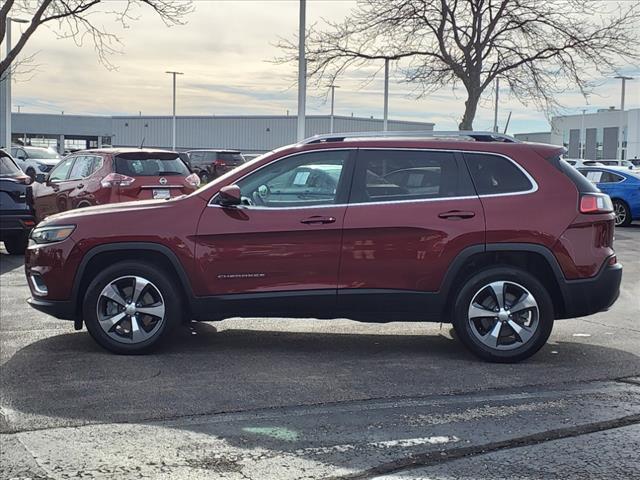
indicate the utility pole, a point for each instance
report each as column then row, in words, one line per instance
column 173, row 137
column 385, row 123
column 622, row 122
column 302, row 71
column 495, row 110
column 7, row 88
column 333, row 97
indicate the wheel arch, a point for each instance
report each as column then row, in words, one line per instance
column 536, row 259
column 107, row 254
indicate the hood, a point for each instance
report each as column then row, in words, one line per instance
column 71, row 215
column 47, row 161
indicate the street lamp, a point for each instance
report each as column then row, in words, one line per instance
column 621, row 133
column 333, row 96
column 385, row 122
column 173, row 137
column 7, row 85
column 495, row 109
column 302, row 71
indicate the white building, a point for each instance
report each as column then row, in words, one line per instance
column 597, row 135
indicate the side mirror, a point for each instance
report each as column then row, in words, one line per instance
column 230, row 195
column 42, row 178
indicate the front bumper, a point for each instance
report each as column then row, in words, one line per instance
column 592, row 295
column 62, row 309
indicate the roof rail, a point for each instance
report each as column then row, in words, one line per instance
column 477, row 136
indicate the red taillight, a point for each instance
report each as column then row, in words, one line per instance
column 193, row 180
column 595, row 203
column 219, row 163
column 114, row 179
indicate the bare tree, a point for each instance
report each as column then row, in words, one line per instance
column 77, row 19
column 539, row 47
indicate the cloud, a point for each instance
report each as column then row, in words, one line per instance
column 224, row 51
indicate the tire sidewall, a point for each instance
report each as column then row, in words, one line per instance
column 627, row 211
column 528, row 281
column 155, row 275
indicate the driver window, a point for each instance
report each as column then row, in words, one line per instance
column 308, row 179
column 61, row 171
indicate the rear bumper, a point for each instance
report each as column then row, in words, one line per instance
column 592, row 295
column 63, row 310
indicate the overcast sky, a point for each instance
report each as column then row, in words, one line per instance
column 224, row 52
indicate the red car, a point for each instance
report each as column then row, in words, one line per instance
column 98, row 177
column 496, row 236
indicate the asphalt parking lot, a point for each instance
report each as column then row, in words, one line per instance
column 267, row 398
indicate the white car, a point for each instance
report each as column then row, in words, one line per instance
column 581, row 162
column 35, row 161
column 619, row 164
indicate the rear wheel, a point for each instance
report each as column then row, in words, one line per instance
column 503, row 314
column 623, row 214
column 131, row 307
column 16, row 244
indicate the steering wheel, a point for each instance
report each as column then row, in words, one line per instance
column 261, row 195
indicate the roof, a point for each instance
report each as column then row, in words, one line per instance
column 119, row 150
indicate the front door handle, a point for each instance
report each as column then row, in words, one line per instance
column 318, row 219
column 456, row 214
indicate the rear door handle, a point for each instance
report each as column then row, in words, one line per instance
column 80, row 185
column 318, row 219
column 456, row 214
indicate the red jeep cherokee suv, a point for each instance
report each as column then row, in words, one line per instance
column 496, row 236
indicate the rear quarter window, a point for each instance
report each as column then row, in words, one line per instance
column 7, row 167
column 494, row 175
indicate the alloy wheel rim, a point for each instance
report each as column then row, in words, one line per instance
column 621, row 214
column 503, row 315
column 130, row 309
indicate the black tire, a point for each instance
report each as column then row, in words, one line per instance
column 16, row 244
column 160, row 281
column 513, row 276
column 83, row 205
column 622, row 212
column 32, row 173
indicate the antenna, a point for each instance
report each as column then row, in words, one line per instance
column 142, row 143
column 507, row 125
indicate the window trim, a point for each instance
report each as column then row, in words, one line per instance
column 354, row 150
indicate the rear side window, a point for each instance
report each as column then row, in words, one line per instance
column 493, row 175
column 396, row 175
column 152, row 164
column 7, row 167
column 231, row 157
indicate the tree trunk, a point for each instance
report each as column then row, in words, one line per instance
column 470, row 107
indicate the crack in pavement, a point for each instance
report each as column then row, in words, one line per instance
column 443, row 456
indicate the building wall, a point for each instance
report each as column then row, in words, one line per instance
column 250, row 134
column 245, row 133
column 536, row 137
column 596, row 135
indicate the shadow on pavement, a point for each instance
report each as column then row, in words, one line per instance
column 204, row 371
column 10, row 262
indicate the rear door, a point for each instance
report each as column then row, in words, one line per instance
column 411, row 212
column 156, row 175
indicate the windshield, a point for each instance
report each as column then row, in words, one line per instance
column 8, row 168
column 42, row 153
column 155, row 164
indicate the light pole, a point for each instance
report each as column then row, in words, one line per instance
column 333, row 97
column 173, row 137
column 7, row 86
column 495, row 109
column 385, row 121
column 622, row 93
column 302, row 71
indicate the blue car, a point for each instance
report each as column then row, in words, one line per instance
column 623, row 186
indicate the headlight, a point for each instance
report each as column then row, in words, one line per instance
column 42, row 167
column 52, row 234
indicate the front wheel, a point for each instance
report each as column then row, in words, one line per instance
column 131, row 307
column 623, row 214
column 503, row 314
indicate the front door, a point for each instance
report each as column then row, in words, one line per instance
column 51, row 197
column 279, row 251
column 411, row 212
